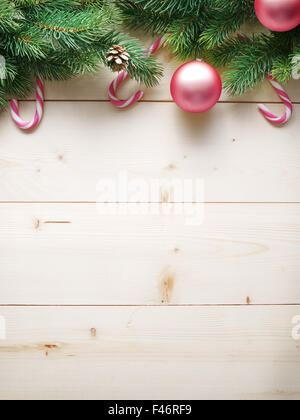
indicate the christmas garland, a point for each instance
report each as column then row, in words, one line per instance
column 60, row 39
column 209, row 29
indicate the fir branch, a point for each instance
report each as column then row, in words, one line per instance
column 294, row 61
column 9, row 18
column 22, row 84
column 26, row 43
column 60, row 39
column 60, row 67
column 51, row 4
column 134, row 16
column 173, row 7
column 70, row 30
column 10, row 70
column 208, row 28
column 182, row 35
column 253, row 64
column 225, row 54
column 141, row 67
column 222, row 26
column 282, row 69
column 3, row 98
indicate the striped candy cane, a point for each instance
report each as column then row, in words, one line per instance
column 285, row 99
column 14, row 105
column 283, row 96
column 124, row 75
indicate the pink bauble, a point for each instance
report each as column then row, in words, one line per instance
column 196, row 87
column 278, row 15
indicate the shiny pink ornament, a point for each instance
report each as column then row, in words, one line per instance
column 196, row 87
column 278, row 15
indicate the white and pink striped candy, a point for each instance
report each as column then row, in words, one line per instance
column 124, row 75
column 285, row 99
column 14, row 105
column 283, row 96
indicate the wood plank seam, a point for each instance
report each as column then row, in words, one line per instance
column 151, row 202
column 153, row 101
column 144, row 305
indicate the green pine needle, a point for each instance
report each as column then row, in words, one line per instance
column 60, row 39
column 208, row 29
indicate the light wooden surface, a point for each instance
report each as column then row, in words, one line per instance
column 102, row 303
column 241, row 252
column 162, row 352
column 239, row 156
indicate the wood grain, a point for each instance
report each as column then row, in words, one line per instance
column 102, row 303
column 150, row 353
column 74, row 254
column 239, row 156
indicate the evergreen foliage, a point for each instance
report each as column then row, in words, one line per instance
column 60, row 39
column 209, row 29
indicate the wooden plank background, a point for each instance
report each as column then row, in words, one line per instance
column 100, row 302
column 239, row 156
column 162, row 352
column 241, row 253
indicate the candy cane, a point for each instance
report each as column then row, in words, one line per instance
column 14, row 105
column 125, row 75
column 283, row 96
column 285, row 99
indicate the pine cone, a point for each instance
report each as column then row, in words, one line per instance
column 118, row 58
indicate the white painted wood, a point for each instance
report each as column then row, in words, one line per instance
column 72, row 254
column 233, row 149
column 150, row 353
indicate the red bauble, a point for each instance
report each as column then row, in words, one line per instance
column 278, row 15
column 196, row 87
